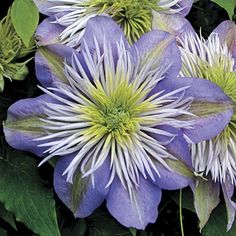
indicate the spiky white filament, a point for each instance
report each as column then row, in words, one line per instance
column 67, row 122
column 196, row 51
column 215, row 157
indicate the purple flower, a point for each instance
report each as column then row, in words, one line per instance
column 214, row 159
column 115, row 115
column 68, row 18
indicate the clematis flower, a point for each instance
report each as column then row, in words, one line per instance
column 115, row 116
column 11, row 49
column 214, row 159
column 68, row 18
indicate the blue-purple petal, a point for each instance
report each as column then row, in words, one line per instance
column 179, row 148
column 49, row 63
column 164, row 45
column 175, row 24
column 103, row 28
column 22, row 124
column 186, row 6
column 81, row 196
column 138, row 212
column 48, row 32
column 227, row 34
column 208, row 123
column 228, row 191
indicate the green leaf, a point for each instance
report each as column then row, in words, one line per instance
column 25, row 195
column 217, row 224
column 78, row 229
column 187, row 198
column 3, row 232
column 206, row 198
column 25, row 18
column 7, row 216
column 228, row 5
column 101, row 224
column 133, row 231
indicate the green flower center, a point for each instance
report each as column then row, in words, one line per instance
column 116, row 118
column 117, row 111
column 134, row 16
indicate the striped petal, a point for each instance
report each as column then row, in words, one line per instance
column 212, row 107
column 48, row 33
column 181, row 174
column 227, row 34
column 138, row 211
column 159, row 46
column 23, row 124
column 228, row 191
column 81, row 196
column 175, row 24
column 49, row 64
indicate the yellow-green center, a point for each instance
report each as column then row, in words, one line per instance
column 134, row 16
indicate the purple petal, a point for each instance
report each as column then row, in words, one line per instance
column 227, row 34
column 164, row 46
column 81, row 197
column 22, row 124
column 175, row 24
column 49, row 63
column 179, row 148
column 228, row 191
column 43, row 6
column 186, row 6
column 48, row 33
column 138, row 212
column 211, row 105
column 103, row 28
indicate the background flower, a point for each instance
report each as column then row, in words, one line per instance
column 213, row 60
column 70, row 17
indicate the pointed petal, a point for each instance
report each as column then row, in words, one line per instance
column 43, row 6
column 23, row 125
column 161, row 46
column 103, row 28
column 186, row 6
column 81, row 197
column 206, row 198
column 181, row 174
column 49, row 64
column 175, row 24
column 227, row 34
column 48, row 33
column 228, row 191
column 138, row 212
column 211, row 105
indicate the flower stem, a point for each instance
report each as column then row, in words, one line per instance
column 180, row 213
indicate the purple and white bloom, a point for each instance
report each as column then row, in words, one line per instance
column 68, row 18
column 114, row 114
column 215, row 159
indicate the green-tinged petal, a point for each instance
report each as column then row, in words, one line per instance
column 23, row 124
column 50, row 64
column 1, row 84
column 206, row 198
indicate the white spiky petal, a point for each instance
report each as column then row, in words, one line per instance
column 72, row 128
column 218, row 155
